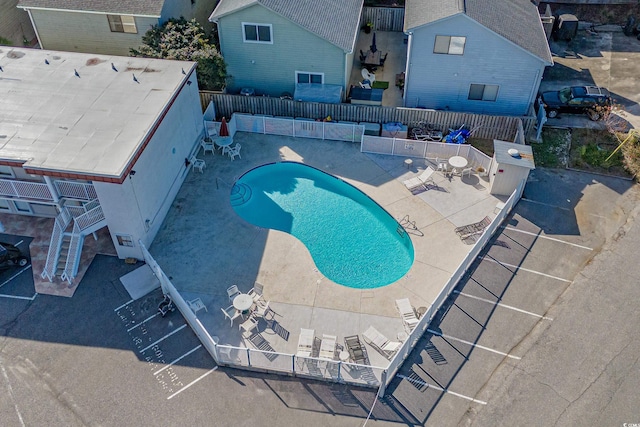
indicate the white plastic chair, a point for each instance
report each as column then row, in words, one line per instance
column 443, row 165
column 196, row 305
column 409, row 318
column 263, row 310
column 234, row 151
column 230, row 313
column 256, row 292
column 207, row 146
column 232, row 292
column 198, row 164
column 466, row 171
column 328, row 347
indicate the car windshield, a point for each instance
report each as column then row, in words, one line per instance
column 564, row 95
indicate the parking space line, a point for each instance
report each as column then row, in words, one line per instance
column 525, row 269
column 163, row 338
column 15, row 275
column 503, row 305
column 548, row 238
column 123, row 305
column 423, row 383
column 145, row 320
column 177, row 360
column 19, row 297
column 559, row 207
column 473, row 344
column 192, row 382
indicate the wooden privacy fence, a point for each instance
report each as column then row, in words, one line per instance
column 484, row 126
column 384, row 18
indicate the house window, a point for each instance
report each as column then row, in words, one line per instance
column 305, row 77
column 124, row 240
column 483, row 92
column 6, row 172
column 122, row 24
column 449, row 45
column 4, row 205
column 256, row 33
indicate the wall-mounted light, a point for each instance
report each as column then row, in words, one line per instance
column 189, row 82
column 132, row 173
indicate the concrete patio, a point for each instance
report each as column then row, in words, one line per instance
column 204, row 246
column 387, row 42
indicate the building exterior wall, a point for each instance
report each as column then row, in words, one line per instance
column 442, row 81
column 15, row 25
column 138, row 206
column 86, row 32
column 177, row 9
column 271, row 68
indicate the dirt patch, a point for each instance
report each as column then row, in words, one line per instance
column 94, row 61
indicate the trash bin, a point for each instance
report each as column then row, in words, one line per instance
column 566, row 27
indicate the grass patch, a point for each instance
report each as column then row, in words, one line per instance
column 590, row 149
column 484, row 145
column 553, row 151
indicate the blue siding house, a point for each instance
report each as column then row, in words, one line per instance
column 271, row 45
column 479, row 56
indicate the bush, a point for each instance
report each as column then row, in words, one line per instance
column 183, row 40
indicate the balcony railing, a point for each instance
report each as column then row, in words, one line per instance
column 25, row 190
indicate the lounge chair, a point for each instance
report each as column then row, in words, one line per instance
column 420, row 180
column 328, row 347
column 305, row 342
column 471, row 232
column 409, row 318
column 356, row 350
column 381, row 343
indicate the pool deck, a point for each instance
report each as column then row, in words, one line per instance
column 204, row 246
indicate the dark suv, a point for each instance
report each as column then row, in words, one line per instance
column 593, row 100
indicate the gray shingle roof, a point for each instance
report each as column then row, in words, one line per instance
column 336, row 21
column 516, row 20
column 125, row 7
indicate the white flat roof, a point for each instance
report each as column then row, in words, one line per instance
column 92, row 123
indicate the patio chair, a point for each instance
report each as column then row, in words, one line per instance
column 367, row 75
column 207, row 145
column 356, row 350
column 328, row 347
column 408, row 314
column 383, row 59
column 196, row 305
column 363, row 57
column 263, row 310
column 198, row 163
column 256, row 292
column 443, row 165
column 381, row 343
column 233, row 291
column 230, row 313
column 248, row 326
column 420, row 180
column 466, row 171
column 234, row 151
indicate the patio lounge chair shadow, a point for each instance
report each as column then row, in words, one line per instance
column 260, row 343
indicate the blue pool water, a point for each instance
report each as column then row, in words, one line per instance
column 353, row 241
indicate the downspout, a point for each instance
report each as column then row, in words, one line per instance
column 35, row 30
column 406, row 70
column 52, row 190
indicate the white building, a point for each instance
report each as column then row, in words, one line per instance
column 94, row 141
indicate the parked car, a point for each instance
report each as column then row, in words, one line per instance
column 10, row 256
column 594, row 101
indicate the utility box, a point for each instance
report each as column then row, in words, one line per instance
column 566, row 27
column 511, row 164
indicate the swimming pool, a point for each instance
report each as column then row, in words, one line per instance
column 352, row 239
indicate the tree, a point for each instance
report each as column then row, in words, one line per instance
column 184, row 40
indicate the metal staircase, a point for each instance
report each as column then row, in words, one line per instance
column 65, row 247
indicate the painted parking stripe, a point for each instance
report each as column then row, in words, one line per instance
column 123, row 305
column 163, row 338
column 423, row 383
column 192, row 382
column 15, row 275
column 19, row 297
column 473, row 344
column 558, row 207
column 548, row 238
column 525, row 269
column 503, row 305
column 177, row 360
column 144, row 321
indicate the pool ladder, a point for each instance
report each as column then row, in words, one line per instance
column 240, row 194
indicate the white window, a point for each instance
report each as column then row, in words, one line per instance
column 125, row 240
column 483, row 92
column 305, row 77
column 449, row 45
column 4, row 205
column 257, row 33
column 122, row 24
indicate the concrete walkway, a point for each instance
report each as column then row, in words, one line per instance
column 204, row 246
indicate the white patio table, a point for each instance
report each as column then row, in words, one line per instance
column 457, row 162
